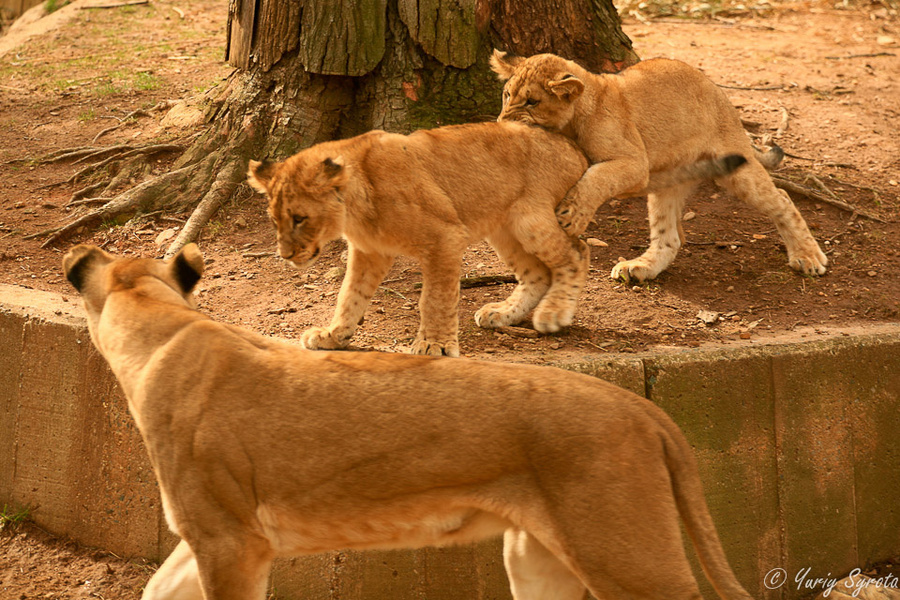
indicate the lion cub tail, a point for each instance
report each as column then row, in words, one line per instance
column 771, row 158
column 694, row 511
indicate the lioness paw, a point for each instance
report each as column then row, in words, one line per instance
column 320, row 338
column 435, row 348
column 813, row 263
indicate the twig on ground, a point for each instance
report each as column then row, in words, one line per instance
column 522, row 332
column 717, row 244
column 485, row 280
column 860, row 56
column 796, row 188
column 114, row 4
column 752, row 89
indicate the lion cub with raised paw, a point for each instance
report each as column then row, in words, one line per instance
column 429, row 195
column 264, row 449
column 653, row 116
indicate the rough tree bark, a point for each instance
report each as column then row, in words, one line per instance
column 313, row 70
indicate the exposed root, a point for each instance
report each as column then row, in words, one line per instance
column 155, row 194
column 227, row 180
column 163, row 105
column 122, row 155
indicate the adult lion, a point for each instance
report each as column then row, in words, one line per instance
column 653, row 116
column 265, row 449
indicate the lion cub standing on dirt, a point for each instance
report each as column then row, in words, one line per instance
column 265, row 449
column 429, row 195
column 655, row 115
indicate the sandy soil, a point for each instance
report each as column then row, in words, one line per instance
column 824, row 80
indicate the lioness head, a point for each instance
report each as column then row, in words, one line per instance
column 97, row 274
column 305, row 202
column 539, row 90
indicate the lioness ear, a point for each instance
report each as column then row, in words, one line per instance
column 187, row 267
column 504, row 64
column 568, row 86
column 80, row 260
column 260, row 174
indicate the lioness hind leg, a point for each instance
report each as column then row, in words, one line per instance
column 664, row 208
column 753, row 185
column 176, row 579
column 534, row 572
column 533, row 278
column 232, row 569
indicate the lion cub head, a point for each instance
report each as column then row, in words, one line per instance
column 305, row 202
column 540, row 90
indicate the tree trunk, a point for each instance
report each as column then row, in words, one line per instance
column 314, row 70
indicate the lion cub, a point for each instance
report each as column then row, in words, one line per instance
column 653, row 116
column 429, row 195
column 264, row 449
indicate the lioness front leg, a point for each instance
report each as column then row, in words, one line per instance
column 365, row 271
column 177, row 578
column 438, row 306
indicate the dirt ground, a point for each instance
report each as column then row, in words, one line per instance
column 822, row 80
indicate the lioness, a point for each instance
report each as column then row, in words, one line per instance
column 264, row 449
column 429, row 195
column 653, row 116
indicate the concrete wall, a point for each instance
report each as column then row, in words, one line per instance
column 797, row 445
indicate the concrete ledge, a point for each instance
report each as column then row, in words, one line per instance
column 798, row 445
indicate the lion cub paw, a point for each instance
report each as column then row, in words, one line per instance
column 493, row 315
column 320, row 338
column 636, row 269
column 435, row 348
column 811, row 263
column 573, row 218
column 551, row 320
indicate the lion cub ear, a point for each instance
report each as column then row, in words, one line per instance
column 80, row 261
column 334, row 172
column 187, row 267
column 259, row 174
column 567, row 87
column 504, row 64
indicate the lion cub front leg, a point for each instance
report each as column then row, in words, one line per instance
column 600, row 183
column 365, row 271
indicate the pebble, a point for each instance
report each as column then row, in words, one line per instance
column 872, row 273
column 688, row 216
column 596, row 243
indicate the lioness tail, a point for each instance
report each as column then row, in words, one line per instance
column 694, row 512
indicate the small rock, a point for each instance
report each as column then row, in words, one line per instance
column 730, row 288
column 745, row 335
column 881, row 40
column 688, row 216
column 872, row 273
column 596, row 243
column 240, row 222
column 166, row 235
column 708, row 316
column 335, row 273
column 637, row 289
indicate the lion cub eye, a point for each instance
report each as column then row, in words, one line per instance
column 298, row 220
column 529, row 102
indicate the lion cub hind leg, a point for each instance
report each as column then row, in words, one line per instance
column 753, row 185
column 438, row 306
column 533, row 278
column 365, row 271
column 534, row 572
column 569, row 262
column 665, row 208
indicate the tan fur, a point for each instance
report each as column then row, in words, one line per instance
column 429, row 195
column 265, row 449
column 654, row 116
